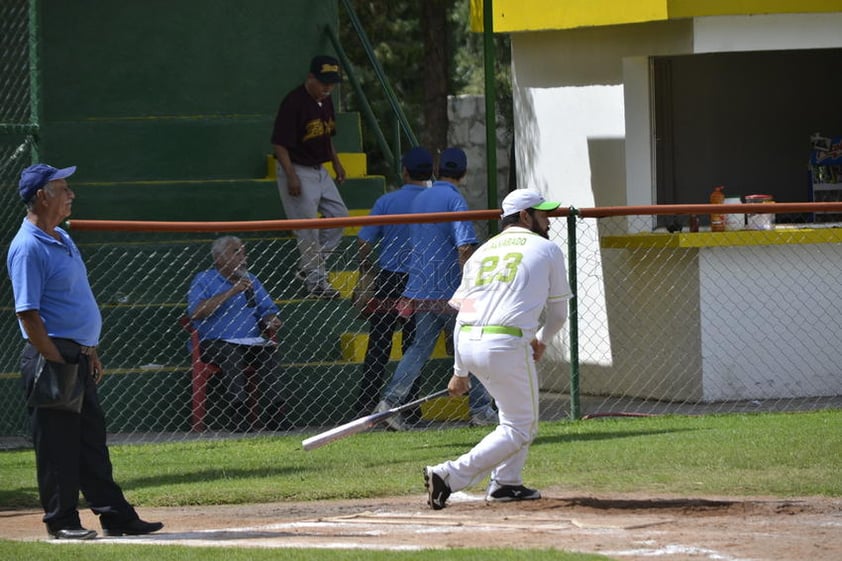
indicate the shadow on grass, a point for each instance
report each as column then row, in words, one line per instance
column 589, row 437
column 27, row 497
column 14, row 499
column 207, row 475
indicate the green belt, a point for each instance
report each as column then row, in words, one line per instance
column 497, row 329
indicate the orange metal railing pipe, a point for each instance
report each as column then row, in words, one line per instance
column 285, row 225
column 269, row 225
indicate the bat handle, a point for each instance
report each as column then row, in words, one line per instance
column 411, row 404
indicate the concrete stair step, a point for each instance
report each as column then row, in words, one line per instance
column 203, row 200
column 184, row 147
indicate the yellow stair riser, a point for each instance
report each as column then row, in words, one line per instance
column 352, row 231
column 355, row 164
column 353, row 346
column 343, row 281
column 446, row 409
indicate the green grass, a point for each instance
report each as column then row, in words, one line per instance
column 784, row 455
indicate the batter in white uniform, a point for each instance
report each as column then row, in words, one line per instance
column 506, row 284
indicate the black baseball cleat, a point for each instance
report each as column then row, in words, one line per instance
column 437, row 490
column 505, row 493
column 77, row 533
column 134, row 528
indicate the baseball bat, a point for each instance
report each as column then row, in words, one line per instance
column 363, row 423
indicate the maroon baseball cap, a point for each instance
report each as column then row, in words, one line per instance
column 325, row 69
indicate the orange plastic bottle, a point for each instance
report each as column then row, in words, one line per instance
column 717, row 221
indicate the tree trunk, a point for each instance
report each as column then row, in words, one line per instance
column 436, row 70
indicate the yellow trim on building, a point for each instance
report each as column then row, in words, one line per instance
column 536, row 15
column 779, row 236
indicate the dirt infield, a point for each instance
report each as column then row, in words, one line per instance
column 624, row 527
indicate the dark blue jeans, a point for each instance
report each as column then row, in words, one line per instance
column 428, row 325
column 382, row 324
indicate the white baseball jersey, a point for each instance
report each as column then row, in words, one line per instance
column 509, row 279
column 506, row 284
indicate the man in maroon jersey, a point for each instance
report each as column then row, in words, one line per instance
column 302, row 140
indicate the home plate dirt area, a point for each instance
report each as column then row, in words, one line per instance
column 626, row 527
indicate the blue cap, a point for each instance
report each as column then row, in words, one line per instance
column 418, row 160
column 36, row 176
column 453, row 162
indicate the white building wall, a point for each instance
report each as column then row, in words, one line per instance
column 570, row 113
column 583, row 127
column 767, row 32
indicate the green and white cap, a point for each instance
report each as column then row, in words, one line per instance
column 522, row 199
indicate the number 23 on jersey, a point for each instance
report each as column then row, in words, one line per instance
column 493, row 268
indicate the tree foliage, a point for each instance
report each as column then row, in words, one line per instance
column 427, row 52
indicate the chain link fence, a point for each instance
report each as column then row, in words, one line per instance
column 685, row 323
column 667, row 323
column 16, row 144
column 16, row 119
column 689, row 323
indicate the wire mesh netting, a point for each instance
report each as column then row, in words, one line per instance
column 153, row 382
column 16, row 138
column 743, row 320
column 667, row 323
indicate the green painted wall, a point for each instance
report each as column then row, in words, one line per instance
column 166, row 108
column 156, row 89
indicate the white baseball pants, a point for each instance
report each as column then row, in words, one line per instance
column 504, row 364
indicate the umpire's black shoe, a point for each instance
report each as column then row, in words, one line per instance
column 77, row 533
column 437, row 490
column 134, row 528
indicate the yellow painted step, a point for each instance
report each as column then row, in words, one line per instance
column 446, row 409
column 353, row 346
column 354, row 230
column 355, row 164
column 343, row 281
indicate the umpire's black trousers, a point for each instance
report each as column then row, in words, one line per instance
column 71, row 454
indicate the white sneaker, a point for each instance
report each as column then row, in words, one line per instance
column 484, row 418
column 395, row 422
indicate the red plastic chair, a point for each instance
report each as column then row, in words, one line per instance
column 201, row 375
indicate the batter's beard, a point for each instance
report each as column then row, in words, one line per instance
column 544, row 234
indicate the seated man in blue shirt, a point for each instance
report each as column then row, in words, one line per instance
column 231, row 311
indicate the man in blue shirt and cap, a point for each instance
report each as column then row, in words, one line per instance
column 61, row 322
column 390, row 278
column 439, row 250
